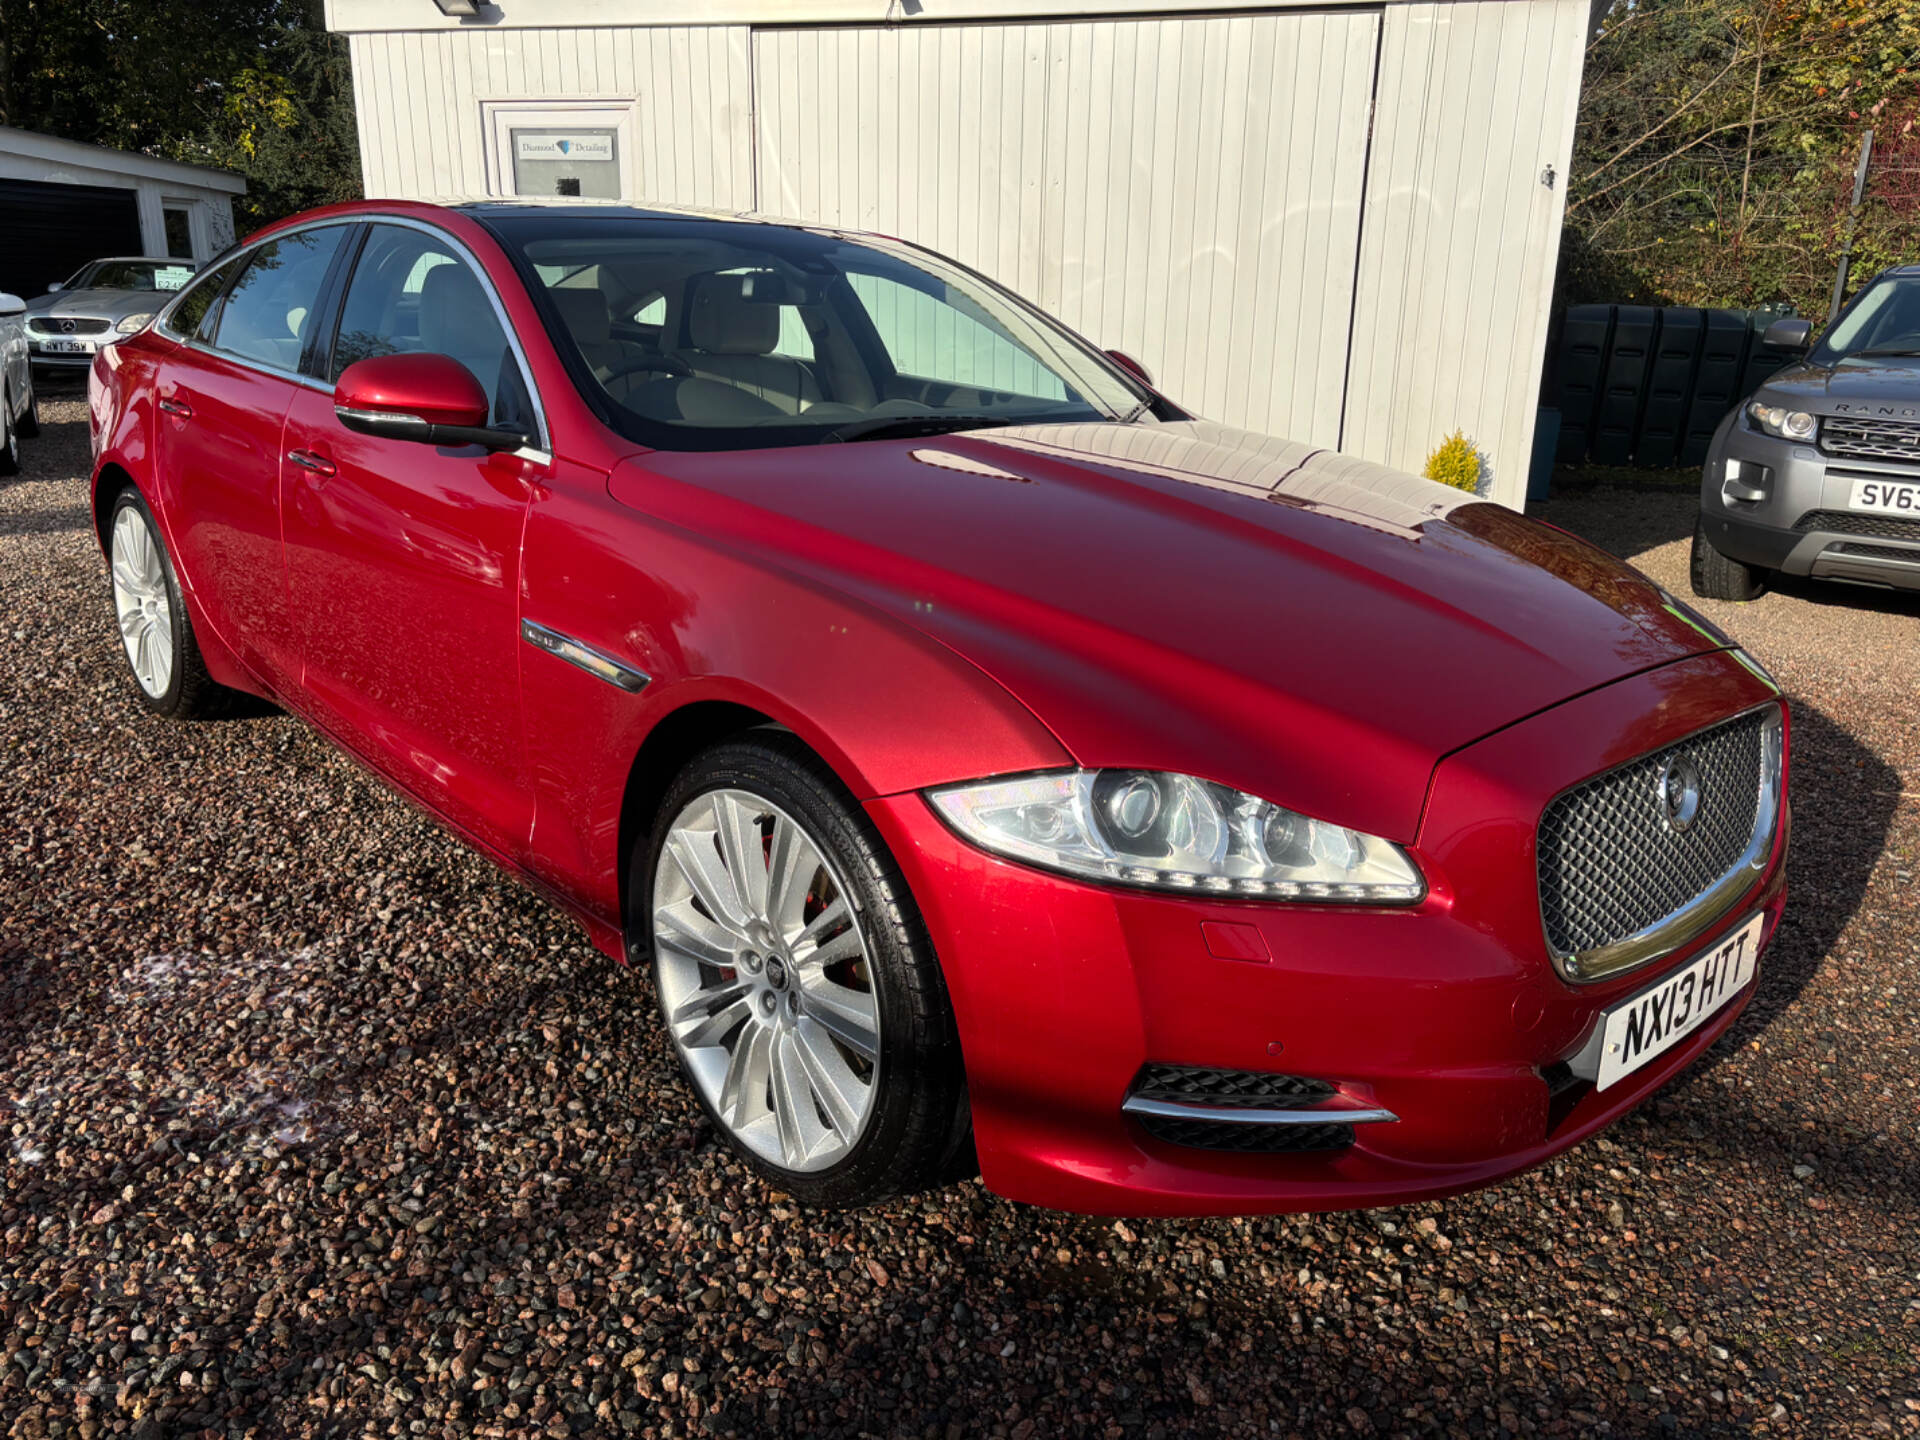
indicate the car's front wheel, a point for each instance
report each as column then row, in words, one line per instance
column 796, row 978
column 1721, row 577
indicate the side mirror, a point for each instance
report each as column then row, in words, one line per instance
column 432, row 399
column 1132, row 366
column 1789, row 333
column 11, row 305
column 56, row 285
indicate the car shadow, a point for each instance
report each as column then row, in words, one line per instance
column 1843, row 798
column 1840, row 594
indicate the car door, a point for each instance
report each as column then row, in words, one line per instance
column 404, row 558
column 223, row 396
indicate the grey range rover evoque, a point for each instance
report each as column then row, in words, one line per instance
column 1818, row 473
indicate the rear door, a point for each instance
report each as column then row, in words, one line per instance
column 404, row 558
column 223, row 397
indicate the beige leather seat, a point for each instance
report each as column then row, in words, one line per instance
column 731, row 339
column 590, row 322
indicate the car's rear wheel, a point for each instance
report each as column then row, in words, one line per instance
column 796, row 978
column 155, row 631
column 1721, row 577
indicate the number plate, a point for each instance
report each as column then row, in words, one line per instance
column 64, row 347
column 1884, row 497
column 1659, row 1018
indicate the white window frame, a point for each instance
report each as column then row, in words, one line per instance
column 500, row 118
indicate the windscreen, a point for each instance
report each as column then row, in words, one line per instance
column 137, row 275
column 715, row 334
column 1884, row 320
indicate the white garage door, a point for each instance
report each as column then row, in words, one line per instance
column 1187, row 190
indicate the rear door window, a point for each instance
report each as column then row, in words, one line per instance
column 269, row 314
column 184, row 320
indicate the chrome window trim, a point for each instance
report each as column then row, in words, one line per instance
column 596, row 663
column 538, row 446
column 1707, row 909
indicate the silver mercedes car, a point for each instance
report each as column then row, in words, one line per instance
column 1819, row 472
column 103, row 301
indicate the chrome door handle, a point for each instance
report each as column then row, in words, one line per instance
column 307, row 460
column 176, row 407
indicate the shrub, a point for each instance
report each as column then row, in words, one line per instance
column 1456, row 463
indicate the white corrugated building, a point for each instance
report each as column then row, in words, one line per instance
column 1336, row 223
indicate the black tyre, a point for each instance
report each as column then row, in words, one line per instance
column 155, row 632
column 29, row 421
column 796, row 979
column 9, row 437
column 1720, row 577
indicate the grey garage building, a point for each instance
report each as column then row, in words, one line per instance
column 65, row 203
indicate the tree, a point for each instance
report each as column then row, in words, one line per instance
column 1712, row 139
column 256, row 86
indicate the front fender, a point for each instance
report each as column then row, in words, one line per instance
column 887, row 708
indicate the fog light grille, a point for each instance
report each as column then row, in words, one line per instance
column 1249, row 1088
column 1247, row 1139
column 1846, row 522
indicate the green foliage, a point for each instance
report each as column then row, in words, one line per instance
column 1715, row 153
column 256, row 86
column 1456, row 463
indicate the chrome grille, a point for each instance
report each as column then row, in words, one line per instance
column 1613, row 867
column 1846, row 522
column 1862, row 439
column 67, row 325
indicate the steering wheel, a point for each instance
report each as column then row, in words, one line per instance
column 666, row 364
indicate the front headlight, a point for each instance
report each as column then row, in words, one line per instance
column 1174, row 832
column 1778, row 420
column 133, row 323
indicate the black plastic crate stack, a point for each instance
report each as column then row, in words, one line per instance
column 1640, row 385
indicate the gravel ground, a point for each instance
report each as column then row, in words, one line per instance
column 313, row 1124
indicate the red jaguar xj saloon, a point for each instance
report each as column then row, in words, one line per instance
column 993, row 763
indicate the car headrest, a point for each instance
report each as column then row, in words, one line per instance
column 721, row 320
column 585, row 314
column 456, row 319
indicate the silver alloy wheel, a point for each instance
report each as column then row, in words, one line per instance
column 141, row 602
column 765, row 979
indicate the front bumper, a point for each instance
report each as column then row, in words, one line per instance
column 61, row 362
column 1449, row 1015
column 1803, row 525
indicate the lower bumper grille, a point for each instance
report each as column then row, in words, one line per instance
column 1248, row 1111
column 1876, row 552
column 1846, row 522
column 1246, row 1088
column 1248, row 1139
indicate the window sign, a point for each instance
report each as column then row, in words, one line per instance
column 172, row 277
column 538, row 145
column 549, row 160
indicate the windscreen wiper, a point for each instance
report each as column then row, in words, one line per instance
column 893, row 426
column 1871, row 354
